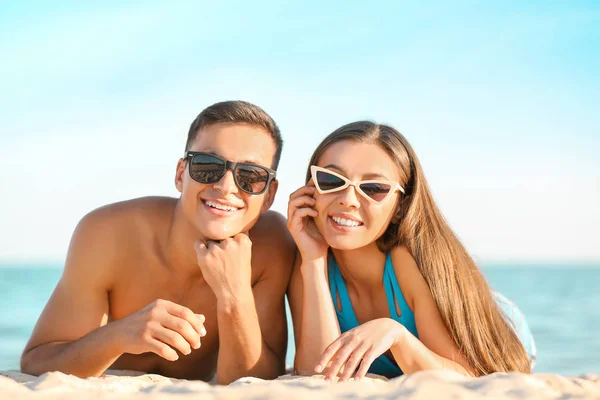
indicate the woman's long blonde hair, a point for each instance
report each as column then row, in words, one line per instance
column 460, row 291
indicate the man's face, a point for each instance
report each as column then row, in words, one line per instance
column 203, row 204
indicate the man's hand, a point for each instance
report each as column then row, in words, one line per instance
column 161, row 328
column 226, row 266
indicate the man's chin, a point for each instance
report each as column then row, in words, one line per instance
column 220, row 234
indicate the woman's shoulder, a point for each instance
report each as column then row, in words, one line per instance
column 407, row 272
column 403, row 261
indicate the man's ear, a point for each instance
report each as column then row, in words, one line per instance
column 270, row 196
column 179, row 173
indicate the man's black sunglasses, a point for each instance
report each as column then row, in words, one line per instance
column 208, row 168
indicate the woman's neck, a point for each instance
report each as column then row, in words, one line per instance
column 361, row 268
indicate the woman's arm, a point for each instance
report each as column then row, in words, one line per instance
column 313, row 314
column 435, row 348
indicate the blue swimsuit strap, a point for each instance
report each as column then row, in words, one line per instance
column 392, row 290
column 394, row 296
column 338, row 287
column 347, row 318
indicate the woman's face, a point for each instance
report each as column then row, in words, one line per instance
column 347, row 220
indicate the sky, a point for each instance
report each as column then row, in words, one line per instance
column 500, row 100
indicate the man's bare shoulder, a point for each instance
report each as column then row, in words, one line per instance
column 150, row 207
column 109, row 235
column 127, row 217
column 271, row 229
column 272, row 241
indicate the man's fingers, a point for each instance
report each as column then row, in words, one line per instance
column 188, row 315
column 172, row 339
column 159, row 348
column 242, row 238
column 184, row 328
column 211, row 244
column 199, row 246
column 201, row 320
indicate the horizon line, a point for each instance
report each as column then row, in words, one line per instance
column 489, row 263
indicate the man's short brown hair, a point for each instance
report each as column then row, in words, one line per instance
column 237, row 112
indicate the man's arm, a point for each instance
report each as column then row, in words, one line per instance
column 62, row 338
column 252, row 333
column 72, row 334
column 252, row 321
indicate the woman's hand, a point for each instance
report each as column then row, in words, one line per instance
column 363, row 345
column 310, row 243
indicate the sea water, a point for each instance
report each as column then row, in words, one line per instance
column 561, row 304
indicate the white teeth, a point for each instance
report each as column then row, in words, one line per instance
column 220, row 206
column 345, row 222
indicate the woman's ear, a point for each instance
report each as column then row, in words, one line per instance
column 400, row 210
column 179, row 173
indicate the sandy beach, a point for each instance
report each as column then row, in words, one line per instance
column 423, row 385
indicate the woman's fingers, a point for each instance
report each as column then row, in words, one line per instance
column 299, row 202
column 365, row 364
column 328, row 354
column 302, row 201
column 301, row 213
column 296, row 222
column 339, row 360
column 353, row 362
column 303, row 191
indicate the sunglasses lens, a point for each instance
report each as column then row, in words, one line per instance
column 376, row 191
column 328, row 181
column 205, row 168
column 251, row 178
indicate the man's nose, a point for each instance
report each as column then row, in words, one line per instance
column 226, row 184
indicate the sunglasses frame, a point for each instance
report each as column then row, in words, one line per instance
column 394, row 186
column 232, row 165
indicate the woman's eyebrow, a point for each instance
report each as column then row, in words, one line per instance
column 373, row 175
column 333, row 166
column 368, row 176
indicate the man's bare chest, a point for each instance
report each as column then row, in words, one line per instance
column 131, row 294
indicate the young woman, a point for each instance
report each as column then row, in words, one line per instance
column 381, row 283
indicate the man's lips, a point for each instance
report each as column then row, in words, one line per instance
column 220, row 205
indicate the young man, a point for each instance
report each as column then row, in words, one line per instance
column 180, row 287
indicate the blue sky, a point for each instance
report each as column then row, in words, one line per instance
column 500, row 102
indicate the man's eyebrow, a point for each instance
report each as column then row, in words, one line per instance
column 247, row 161
column 369, row 176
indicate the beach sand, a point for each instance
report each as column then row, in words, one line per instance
column 422, row 385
